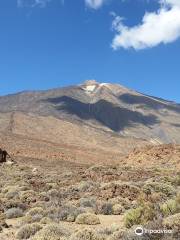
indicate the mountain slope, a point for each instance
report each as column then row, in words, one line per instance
column 104, row 119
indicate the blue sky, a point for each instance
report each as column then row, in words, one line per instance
column 53, row 43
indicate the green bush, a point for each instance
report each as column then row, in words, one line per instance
column 140, row 215
column 170, row 207
column 133, row 217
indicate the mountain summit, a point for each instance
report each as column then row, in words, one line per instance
column 91, row 118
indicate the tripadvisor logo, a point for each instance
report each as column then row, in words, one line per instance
column 140, row 231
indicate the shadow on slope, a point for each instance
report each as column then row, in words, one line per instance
column 149, row 102
column 108, row 114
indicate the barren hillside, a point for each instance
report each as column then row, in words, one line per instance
column 89, row 122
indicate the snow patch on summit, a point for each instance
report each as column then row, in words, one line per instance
column 90, row 88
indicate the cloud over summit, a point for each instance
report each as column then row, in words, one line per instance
column 162, row 26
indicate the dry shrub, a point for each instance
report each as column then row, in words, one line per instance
column 164, row 188
column 107, row 231
column 117, row 209
column 45, row 220
column 12, row 194
column 14, row 213
column 104, row 208
column 172, row 222
column 87, row 218
column 86, row 234
column 117, row 235
column 28, row 196
column 28, row 231
column 88, row 202
column 14, row 204
column 52, row 232
column 65, row 213
column 35, row 211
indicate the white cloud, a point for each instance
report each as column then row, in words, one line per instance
column 32, row 3
column 95, row 4
column 158, row 27
column 171, row 2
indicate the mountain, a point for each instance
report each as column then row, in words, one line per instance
column 88, row 123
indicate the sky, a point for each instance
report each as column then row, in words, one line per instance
column 54, row 43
